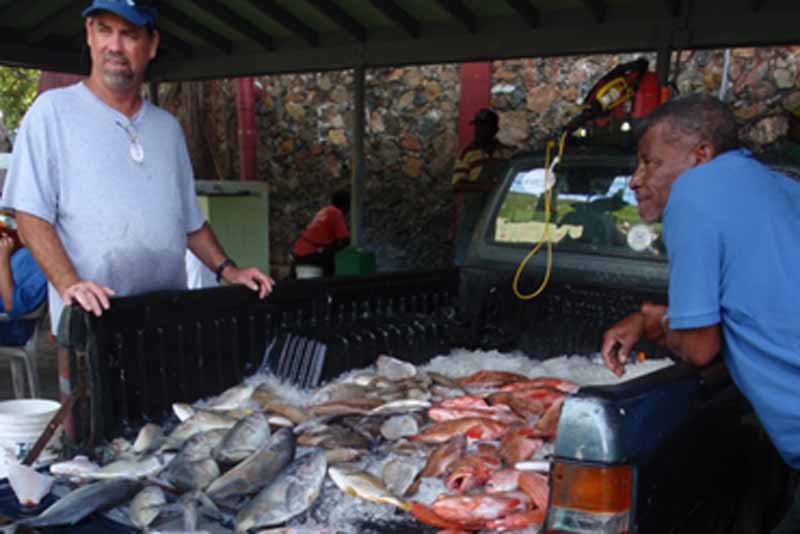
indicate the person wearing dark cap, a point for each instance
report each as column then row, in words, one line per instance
column 102, row 182
column 474, row 174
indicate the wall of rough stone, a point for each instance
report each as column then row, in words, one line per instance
column 305, row 120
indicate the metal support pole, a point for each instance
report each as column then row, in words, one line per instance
column 153, row 86
column 358, row 157
column 663, row 62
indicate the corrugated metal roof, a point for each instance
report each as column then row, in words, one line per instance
column 222, row 38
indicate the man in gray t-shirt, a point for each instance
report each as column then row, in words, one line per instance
column 102, row 181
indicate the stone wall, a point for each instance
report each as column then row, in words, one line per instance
column 411, row 141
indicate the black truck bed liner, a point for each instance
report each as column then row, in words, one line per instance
column 148, row 352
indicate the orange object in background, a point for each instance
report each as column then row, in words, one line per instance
column 666, row 94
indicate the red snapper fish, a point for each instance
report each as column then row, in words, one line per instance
column 536, row 487
column 548, row 424
column 427, row 516
column 469, row 509
column 466, row 474
column 565, row 386
column 474, row 428
column 499, row 413
column 474, row 470
column 519, row 444
column 517, row 521
column 502, row 480
column 465, row 401
column 490, row 379
column 545, row 396
column 444, row 455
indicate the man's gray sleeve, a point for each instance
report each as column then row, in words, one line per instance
column 32, row 182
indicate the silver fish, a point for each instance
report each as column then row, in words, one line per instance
column 150, row 437
column 398, row 475
column 191, row 507
column 242, row 440
column 146, row 467
column 79, row 467
column 201, row 421
column 145, row 507
column 232, row 398
column 447, row 382
column 279, row 420
column 192, row 475
column 399, row 426
column 401, row 406
column 293, row 413
column 361, row 484
column 120, row 447
column 199, row 446
column 256, row 471
column 183, row 411
column 292, row 492
column 362, row 407
column 338, row 391
column 361, row 378
column 342, row 455
column 83, row 501
column 418, row 394
column 333, row 437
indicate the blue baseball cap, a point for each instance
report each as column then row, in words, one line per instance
column 137, row 12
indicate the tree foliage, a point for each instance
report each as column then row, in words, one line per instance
column 17, row 91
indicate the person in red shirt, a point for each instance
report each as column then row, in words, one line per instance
column 325, row 235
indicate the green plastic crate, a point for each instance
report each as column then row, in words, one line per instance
column 353, row 260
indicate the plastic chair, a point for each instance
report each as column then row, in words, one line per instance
column 23, row 359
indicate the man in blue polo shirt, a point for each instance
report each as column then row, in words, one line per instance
column 732, row 232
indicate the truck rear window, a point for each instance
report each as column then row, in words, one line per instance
column 592, row 209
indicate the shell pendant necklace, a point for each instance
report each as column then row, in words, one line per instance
column 136, row 151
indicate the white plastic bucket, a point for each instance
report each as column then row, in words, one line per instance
column 308, row 271
column 22, row 421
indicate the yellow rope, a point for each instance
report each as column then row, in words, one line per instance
column 548, row 195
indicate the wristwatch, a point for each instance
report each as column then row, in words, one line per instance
column 221, row 267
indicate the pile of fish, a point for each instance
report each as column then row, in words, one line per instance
column 458, row 454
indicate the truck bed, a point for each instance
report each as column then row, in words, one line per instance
column 149, row 352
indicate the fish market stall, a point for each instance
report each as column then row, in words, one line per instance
column 450, row 444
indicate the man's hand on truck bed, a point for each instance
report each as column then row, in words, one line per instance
column 91, row 296
column 618, row 341
column 250, row 277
